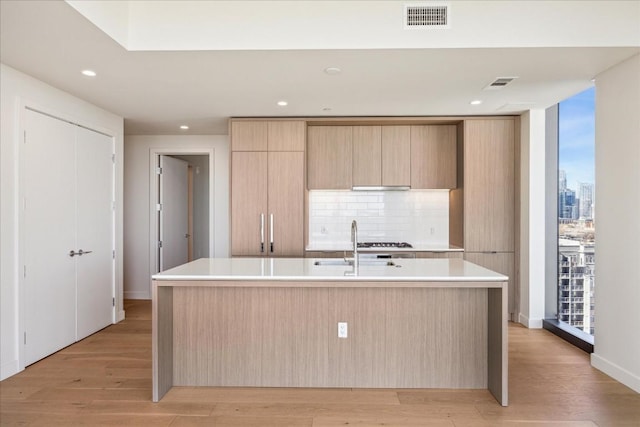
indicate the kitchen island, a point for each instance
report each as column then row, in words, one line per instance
column 273, row 322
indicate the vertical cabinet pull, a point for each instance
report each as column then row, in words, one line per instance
column 261, row 233
column 271, row 231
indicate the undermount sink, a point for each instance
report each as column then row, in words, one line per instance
column 349, row 263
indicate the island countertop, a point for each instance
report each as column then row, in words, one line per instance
column 306, row 270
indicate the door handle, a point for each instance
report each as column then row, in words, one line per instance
column 81, row 252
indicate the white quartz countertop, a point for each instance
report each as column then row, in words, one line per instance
column 346, row 246
column 305, row 269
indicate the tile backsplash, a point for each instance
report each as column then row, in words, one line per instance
column 419, row 217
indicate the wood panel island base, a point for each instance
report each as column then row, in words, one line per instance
column 422, row 323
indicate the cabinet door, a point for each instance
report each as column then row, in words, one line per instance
column 503, row 263
column 439, row 255
column 286, row 203
column 248, row 202
column 367, row 155
column 396, row 155
column 433, row 156
column 286, row 135
column 249, row 136
column 489, row 185
column 329, row 157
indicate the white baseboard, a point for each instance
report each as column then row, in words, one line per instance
column 529, row 323
column 137, row 295
column 8, row 369
column 616, row 372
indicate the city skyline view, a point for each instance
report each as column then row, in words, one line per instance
column 576, row 133
column 576, row 211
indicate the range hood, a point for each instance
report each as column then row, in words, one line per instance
column 381, row 188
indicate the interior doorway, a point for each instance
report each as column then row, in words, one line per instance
column 182, row 208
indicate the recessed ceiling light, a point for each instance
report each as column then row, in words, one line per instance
column 332, row 71
column 89, row 73
column 283, row 103
column 476, row 102
column 184, row 127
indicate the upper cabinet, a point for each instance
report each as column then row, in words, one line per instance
column 329, row 157
column 381, row 155
column 267, row 135
column 341, row 157
column 396, row 155
column 286, row 135
column 249, row 136
column 367, row 155
column 433, row 156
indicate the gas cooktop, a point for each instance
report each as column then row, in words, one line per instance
column 384, row 245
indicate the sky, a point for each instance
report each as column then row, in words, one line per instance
column 576, row 139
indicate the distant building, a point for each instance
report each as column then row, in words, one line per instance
column 576, row 284
column 562, row 180
column 567, row 207
column 586, row 200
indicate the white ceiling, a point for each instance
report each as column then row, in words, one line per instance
column 156, row 91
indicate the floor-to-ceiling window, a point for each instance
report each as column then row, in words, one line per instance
column 576, row 291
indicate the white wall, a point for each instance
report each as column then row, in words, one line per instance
column 617, row 295
column 532, row 218
column 18, row 90
column 221, row 25
column 137, row 264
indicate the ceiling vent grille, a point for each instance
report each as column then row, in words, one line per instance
column 499, row 83
column 426, row 16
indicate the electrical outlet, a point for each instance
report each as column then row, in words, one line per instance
column 323, row 230
column 342, row 330
column 433, row 231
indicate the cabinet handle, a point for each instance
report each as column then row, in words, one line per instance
column 261, row 233
column 271, row 231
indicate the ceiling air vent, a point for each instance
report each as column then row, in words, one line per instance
column 426, row 15
column 499, row 83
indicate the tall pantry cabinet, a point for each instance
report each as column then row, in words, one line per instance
column 267, row 188
column 489, row 196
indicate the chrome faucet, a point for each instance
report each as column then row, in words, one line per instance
column 354, row 240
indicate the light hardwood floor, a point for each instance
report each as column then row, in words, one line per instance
column 106, row 379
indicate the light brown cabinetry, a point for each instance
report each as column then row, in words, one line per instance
column 248, row 202
column 324, row 254
column 329, row 157
column 489, row 204
column 433, row 156
column 381, row 156
column 367, row 155
column 451, row 254
column 285, row 135
column 267, row 189
column 286, row 203
column 396, row 155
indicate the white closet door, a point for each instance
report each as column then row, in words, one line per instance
column 49, row 235
column 94, row 177
column 174, row 219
